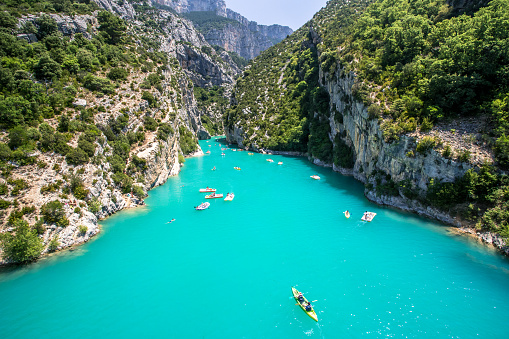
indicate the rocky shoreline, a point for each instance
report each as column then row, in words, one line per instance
column 488, row 238
column 429, row 212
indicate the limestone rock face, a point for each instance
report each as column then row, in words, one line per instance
column 67, row 25
column 246, row 38
column 123, row 9
column 372, row 153
column 201, row 68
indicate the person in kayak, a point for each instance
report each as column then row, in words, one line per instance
column 301, row 297
column 308, row 307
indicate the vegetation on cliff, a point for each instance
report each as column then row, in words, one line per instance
column 416, row 64
column 89, row 98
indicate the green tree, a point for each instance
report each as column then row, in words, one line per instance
column 47, row 68
column 111, row 26
column 22, row 246
column 47, row 26
column 53, row 212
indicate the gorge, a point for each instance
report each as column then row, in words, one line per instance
column 340, row 90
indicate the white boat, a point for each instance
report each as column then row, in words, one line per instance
column 347, row 214
column 316, row 177
column 208, row 152
column 368, row 216
column 280, row 163
column 270, row 160
column 213, row 196
column 223, row 154
column 202, row 206
column 229, row 197
column 207, row 190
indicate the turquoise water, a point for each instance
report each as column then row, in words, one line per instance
column 227, row 272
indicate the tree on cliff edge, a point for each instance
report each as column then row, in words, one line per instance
column 22, row 246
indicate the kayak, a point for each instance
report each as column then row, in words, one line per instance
column 311, row 313
column 316, row 177
column 237, row 168
column 206, row 190
column 213, row 196
column 203, row 206
column 229, row 197
column 347, row 214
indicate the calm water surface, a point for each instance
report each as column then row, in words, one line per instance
column 227, row 272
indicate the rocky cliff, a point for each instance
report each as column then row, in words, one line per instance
column 239, row 35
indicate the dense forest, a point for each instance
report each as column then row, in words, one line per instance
column 417, row 64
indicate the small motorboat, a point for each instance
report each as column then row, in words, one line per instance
column 368, row 216
column 270, row 160
column 310, row 311
column 316, row 177
column 207, row 190
column 347, row 214
column 229, row 197
column 202, row 206
column 213, row 196
column 280, row 163
column 237, row 168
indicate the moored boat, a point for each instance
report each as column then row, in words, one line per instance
column 202, row 206
column 347, row 214
column 270, row 160
column 316, row 177
column 207, row 190
column 208, row 152
column 250, row 153
column 280, row 163
column 303, row 303
column 368, row 216
column 229, row 197
column 213, row 196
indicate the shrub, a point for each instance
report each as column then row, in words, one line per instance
column 82, row 229
column 123, row 181
column 152, row 101
column 426, row 144
column 426, row 125
column 4, row 204
column 464, row 155
column 150, row 123
column 94, row 83
column 138, row 191
column 77, row 156
column 53, row 212
column 164, row 131
column 447, row 152
column 117, row 73
column 502, row 151
column 53, row 244
column 94, row 205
